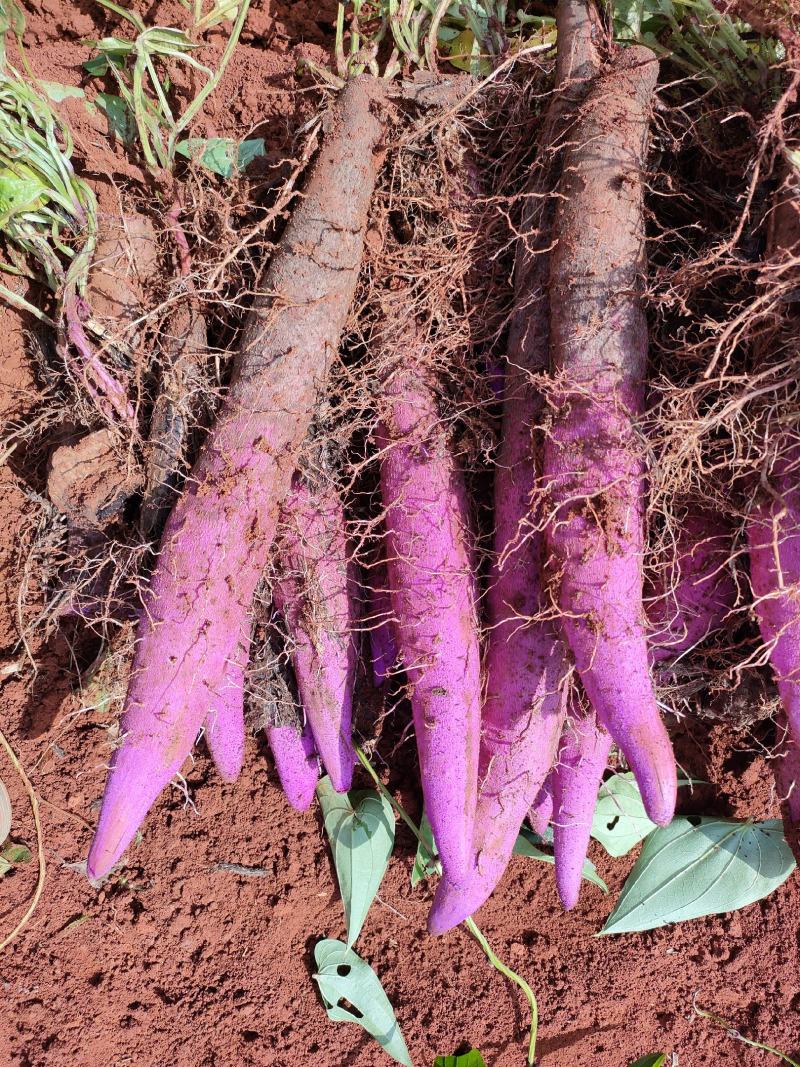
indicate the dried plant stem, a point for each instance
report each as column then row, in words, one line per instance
column 23, row 922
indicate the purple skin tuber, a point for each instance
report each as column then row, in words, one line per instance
column 699, row 593
column 219, row 535
column 296, row 763
column 382, row 642
column 702, row 593
column 582, row 759
column 787, row 771
column 773, row 527
column 429, row 564
column 224, row 725
column 524, row 703
column 315, row 591
column 541, row 810
column 773, row 534
column 593, row 459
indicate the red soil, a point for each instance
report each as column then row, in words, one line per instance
column 176, row 961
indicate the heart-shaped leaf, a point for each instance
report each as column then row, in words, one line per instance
column 472, row 1058
column 620, row 821
column 221, row 155
column 701, row 866
column 119, row 116
column 352, row 993
column 360, row 826
column 528, row 844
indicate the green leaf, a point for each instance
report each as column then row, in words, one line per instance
column 110, row 56
column 18, row 194
column 58, row 92
column 533, row 839
column 222, row 11
column 221, row 155
column 620, row 821
column 655, row 1059
column 427, row 856
column 701, row 866
column 627, row 18
column 17, row 854
column 214, row 153
column 166, row 40
column 249, row 150
column 472, row 1058
column 527, row 844
column 352, row 992
column 11, row 856
column 360, row 825
column 12, row 17
column 120, row 119
column 97, row 66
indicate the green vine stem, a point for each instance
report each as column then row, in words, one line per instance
column 736, row 1035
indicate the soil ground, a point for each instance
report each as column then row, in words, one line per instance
column 179, row 960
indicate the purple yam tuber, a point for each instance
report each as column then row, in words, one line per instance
column 524, row 704
column 593, row 459
column 773, row 533
column 315, row 592
column 773, row 526
column 224, row 725
column 219, row 535
column 433, row 596
column 382, row 641
column 787, row 770
column 296, row 763
column 582, row 759
column 699, row 593
column 541, row 810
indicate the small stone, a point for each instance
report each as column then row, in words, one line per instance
column 90, row 481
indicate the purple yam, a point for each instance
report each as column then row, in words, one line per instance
column 773, row 534
column 694, row 600
column 582, row 759
column 296, row 763
column 541, row 811
column 315, row 592
column 218, row 537
column 594, row 468
column 433, row 596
